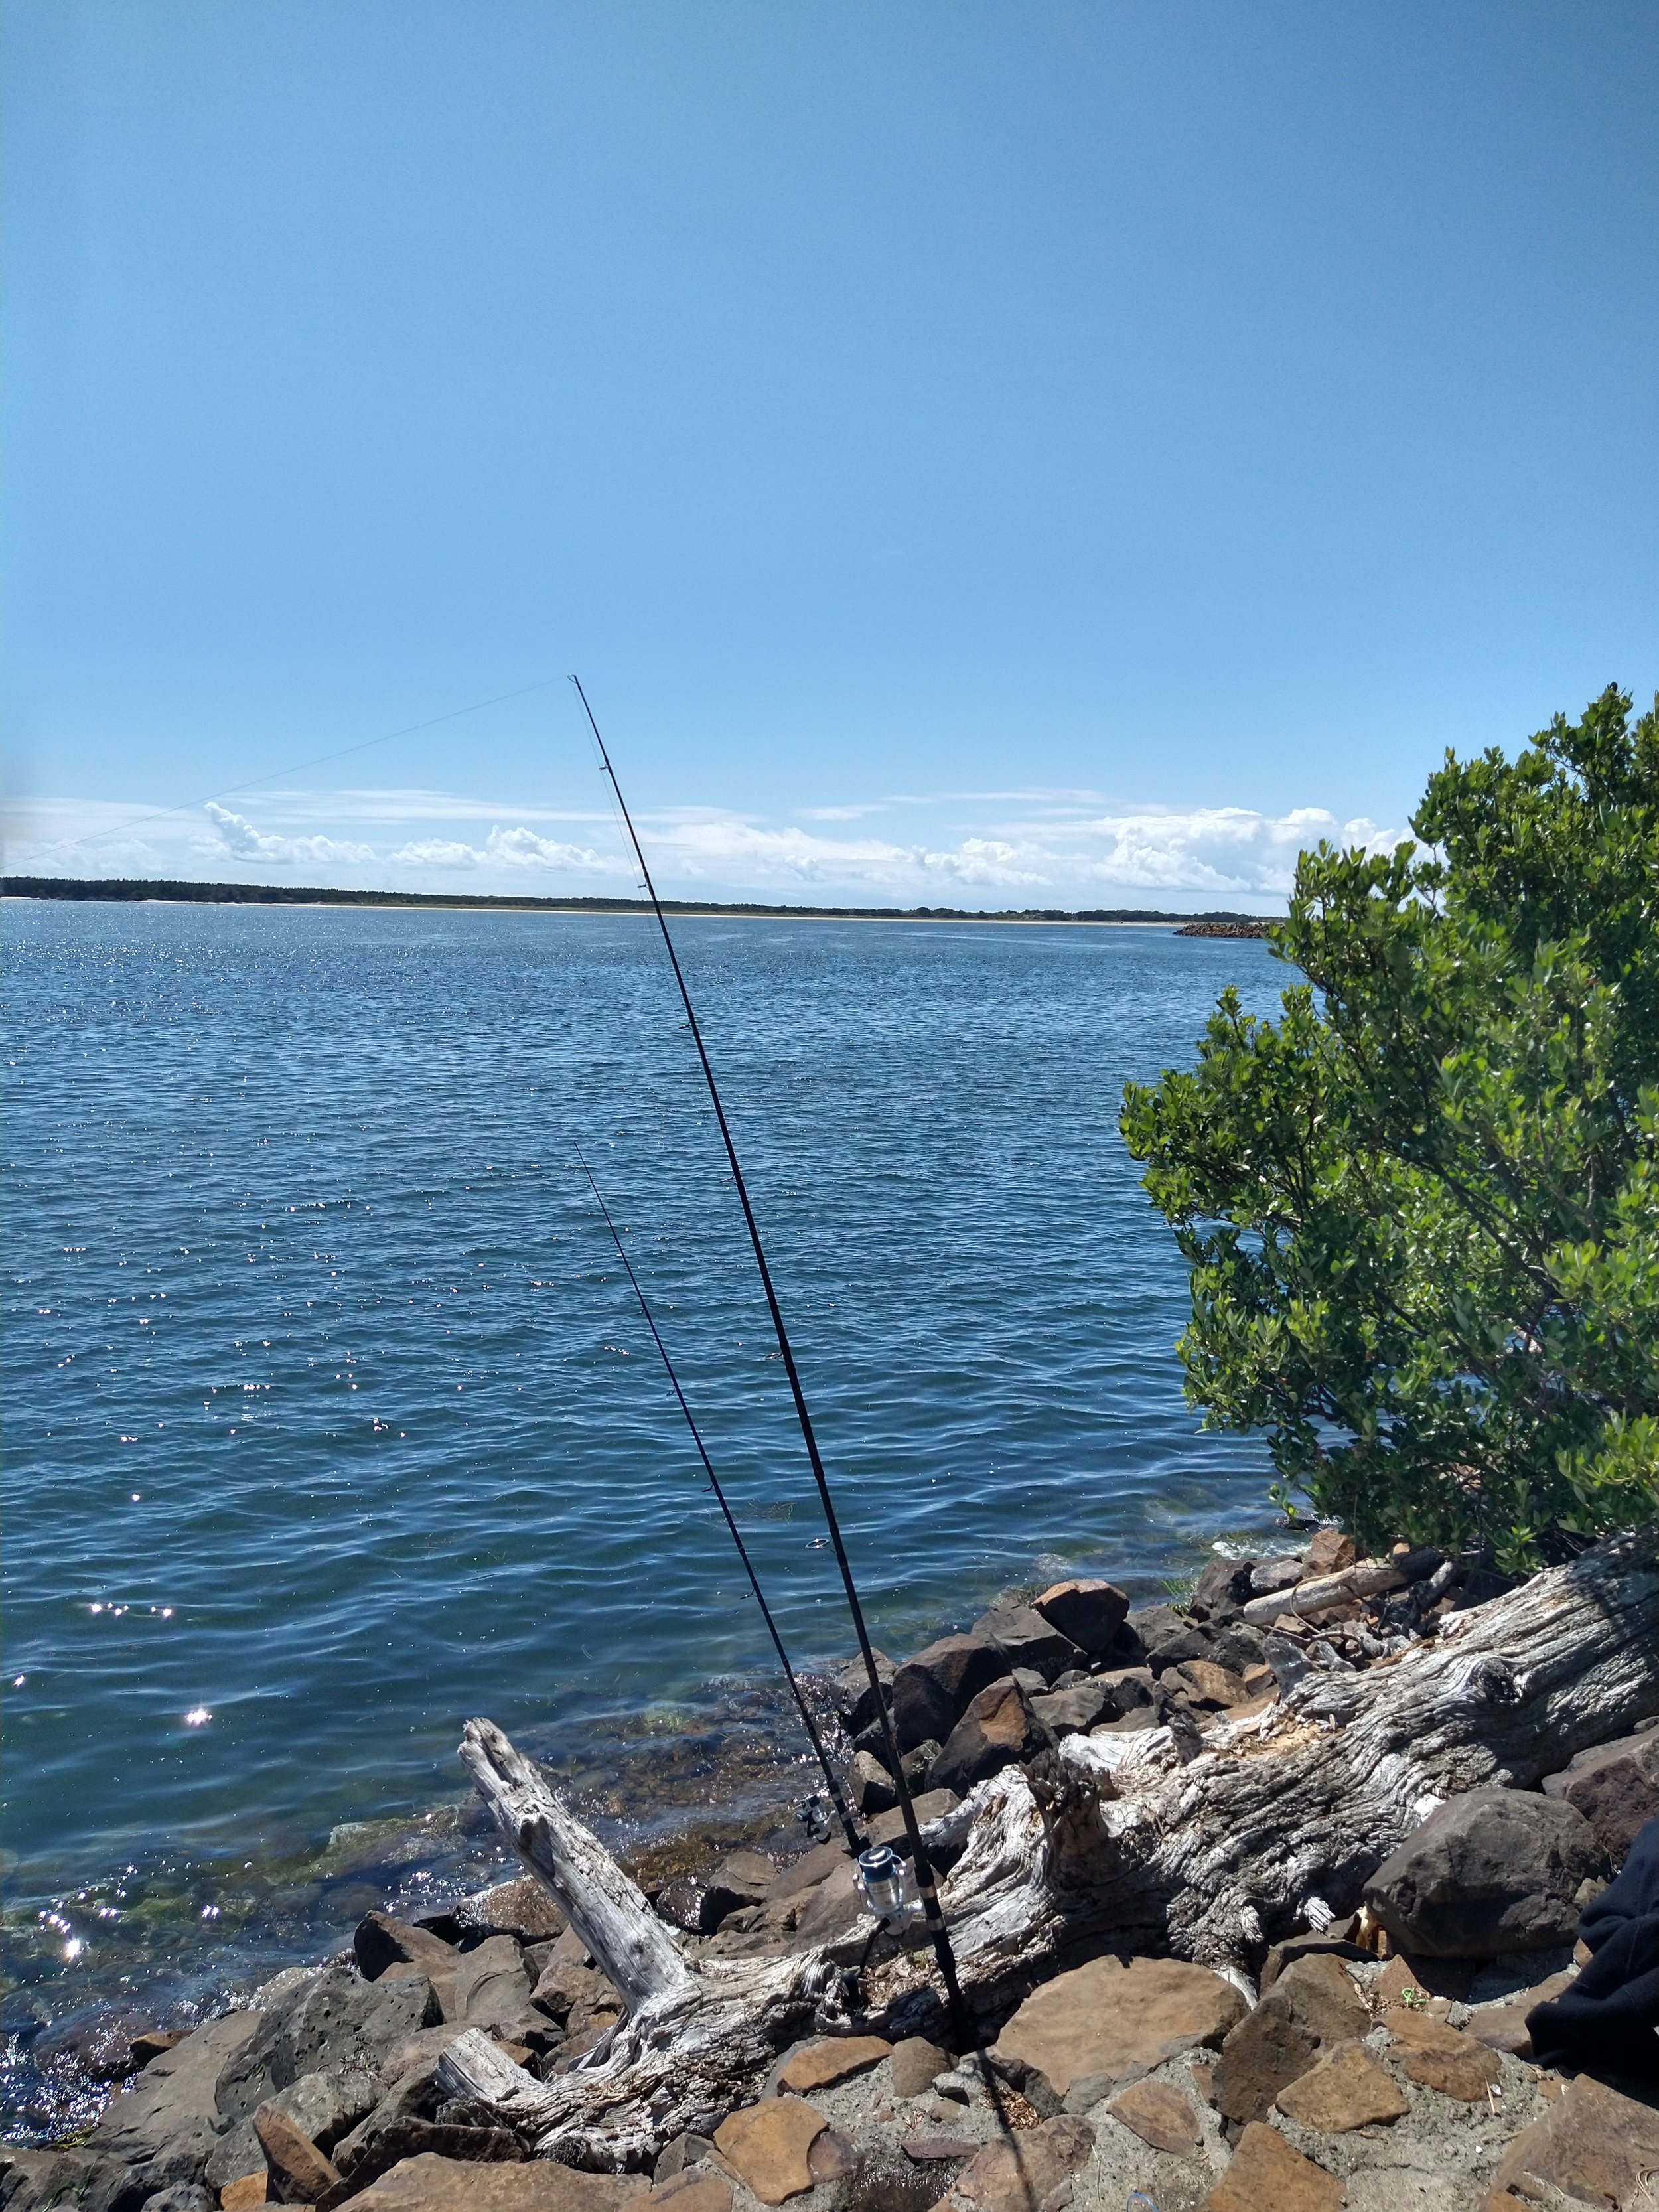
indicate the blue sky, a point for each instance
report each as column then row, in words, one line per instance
column 974, row 454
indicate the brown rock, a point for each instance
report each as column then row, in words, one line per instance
column 1346, row 2089
column 430, row 2184
column 151, row 2043
column 1267, row 2175
column 1076, row 1711
column 1115, row 2015
column 567, row 1986
column 1330, row 1551
column 832, row 1915
column 1592, row 2143
column 298, row 2168
column 1405, row 1980
column 1504, row 2026
column 1205, row 1685
column 683, row 2152
column 835, row 2059
column 932, row 1692
column 874, row 1787
column 916, row 2064
column 384, row 2143
column 693, row 2189
column 1132, row 1689
column 521, row 1907
column 833, row 2156
column 1281, row 1955
column 1158, row 2113
column 1444, row 2058
column 1310, row 2008
column 998, row 1728
column 1203, row 2074
column 247, row 2189
column 489, row 1987
column 767, row 2146
column 889, row 1828
column 1016, row 2174
column 1088, row 1610
column 928, row 2150
column 807, row 1872
column 380, row 1942
column 1025, row 1638
column 741, row 1878
column 1615, row 1787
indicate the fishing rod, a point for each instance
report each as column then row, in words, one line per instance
column 855, row 1841
column 925, row 1884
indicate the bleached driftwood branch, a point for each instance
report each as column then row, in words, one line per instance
column 1205, row 1846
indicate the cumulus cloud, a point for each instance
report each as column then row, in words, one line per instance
column 1075, row 857
column 235, row 835
column 1020, row 849
column 1216, row 848
column 509, row 848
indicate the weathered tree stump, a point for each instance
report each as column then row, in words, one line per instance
column 1209, row 1847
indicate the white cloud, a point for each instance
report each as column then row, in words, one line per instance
column 510, row 849
column 1020, row 849
column 237, row 836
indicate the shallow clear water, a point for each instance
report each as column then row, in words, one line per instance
column 330, row 1417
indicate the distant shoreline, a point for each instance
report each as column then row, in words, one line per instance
column 122, row 890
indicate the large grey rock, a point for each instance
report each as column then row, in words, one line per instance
column 1025, row 1638
column 874, row 1787
column 1169, row 1641
column 333, row 2023
column 852, row 1692
column 998, row 1728
column 236, row 2153
column 1222, row 1589
column 1076, row 1711
column 1615, row 1787
column 326, row 2107
column 182, row 2197
column 86, row 2180
column 164, row 2125
column 743, row 1877
column 932, row 1692
column 1495, row 1871
column 382, row 1942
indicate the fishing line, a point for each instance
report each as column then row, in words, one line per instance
column 855, row 1841
column 319, row 760
column 923, row 1863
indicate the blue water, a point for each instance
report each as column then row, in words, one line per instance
column 329, row 1415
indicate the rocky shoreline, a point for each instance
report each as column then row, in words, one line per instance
column 1378, row 2056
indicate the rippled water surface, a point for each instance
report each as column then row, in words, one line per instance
column 330, row 1420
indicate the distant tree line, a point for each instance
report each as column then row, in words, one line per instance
column 132, row 889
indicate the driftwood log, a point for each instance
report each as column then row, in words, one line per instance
column 1207, row 1846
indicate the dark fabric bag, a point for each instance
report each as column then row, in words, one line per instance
column 1607, row 2018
